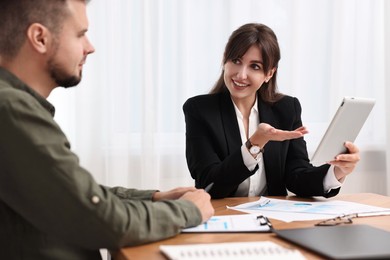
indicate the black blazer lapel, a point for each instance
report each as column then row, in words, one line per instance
column 266, row 113
column 229, row 121
column 272, row 157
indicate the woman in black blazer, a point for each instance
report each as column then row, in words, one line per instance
column 246, row 138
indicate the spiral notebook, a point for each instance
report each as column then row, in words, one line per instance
column 265, row 250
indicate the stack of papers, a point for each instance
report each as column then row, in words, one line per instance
column 265, row 250
column 292, row 210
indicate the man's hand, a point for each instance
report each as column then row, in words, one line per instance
column 201, row 199
column 171, row 194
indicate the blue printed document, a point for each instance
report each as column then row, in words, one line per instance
column 292, row 210
column 233, row 223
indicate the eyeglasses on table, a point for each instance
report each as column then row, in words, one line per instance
column 344, row 219
column 347, row 218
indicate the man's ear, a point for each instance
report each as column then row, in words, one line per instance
column 39, row 37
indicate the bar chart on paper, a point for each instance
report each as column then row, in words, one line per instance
column 292, row 210
column 232, row 223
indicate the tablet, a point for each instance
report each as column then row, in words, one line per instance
column 341, row 242
column 345, row 126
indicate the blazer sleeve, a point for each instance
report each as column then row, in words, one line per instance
column 209, row 157
column 301, row 177
column 61, row 200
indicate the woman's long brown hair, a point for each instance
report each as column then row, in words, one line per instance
column 239, row 42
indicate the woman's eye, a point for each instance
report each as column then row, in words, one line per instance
column 236, row 61
column 256, row 67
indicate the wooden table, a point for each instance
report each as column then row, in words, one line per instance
column 151, row 251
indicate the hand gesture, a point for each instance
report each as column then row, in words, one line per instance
column 266, row 132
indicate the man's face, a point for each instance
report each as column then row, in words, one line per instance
column 70, row 47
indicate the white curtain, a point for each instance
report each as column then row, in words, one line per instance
column 387, row 92
column 125, row 119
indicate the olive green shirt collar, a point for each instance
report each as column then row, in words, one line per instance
column 16, row 83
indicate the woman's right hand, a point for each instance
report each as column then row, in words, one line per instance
column 266, row 132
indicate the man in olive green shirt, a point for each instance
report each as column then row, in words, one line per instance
column 50, row 207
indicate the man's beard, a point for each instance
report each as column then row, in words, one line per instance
column 61, row 77
column 58, row 73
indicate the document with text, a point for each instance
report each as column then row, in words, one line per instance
column 292, row 210
column 233, row 223
column 265, row 250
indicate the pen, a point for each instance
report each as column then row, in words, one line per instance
column 262, row 204
column 208, row 187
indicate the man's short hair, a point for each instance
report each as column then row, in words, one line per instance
column 17, row 15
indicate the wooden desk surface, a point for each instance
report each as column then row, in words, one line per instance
column 151, row 251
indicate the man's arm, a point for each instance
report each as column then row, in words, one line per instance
column 62, row 199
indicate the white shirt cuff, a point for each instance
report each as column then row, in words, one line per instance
column 330, row 181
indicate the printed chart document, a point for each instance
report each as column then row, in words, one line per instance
column 265, row 250
column 233, row 223
column 291, row 210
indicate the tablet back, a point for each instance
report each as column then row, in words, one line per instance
column 342, row 242
column 345, row 126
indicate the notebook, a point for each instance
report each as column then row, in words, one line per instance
column 264, row 250
column 342, row 242
column 345, row 126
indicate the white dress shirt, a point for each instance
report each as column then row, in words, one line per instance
column 256, row 185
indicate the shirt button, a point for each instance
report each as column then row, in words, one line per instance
column 95, row 199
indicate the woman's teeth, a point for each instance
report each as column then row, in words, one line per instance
column 240, row 84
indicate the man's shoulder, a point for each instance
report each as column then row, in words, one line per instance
column 15, row 101
column 8, row 93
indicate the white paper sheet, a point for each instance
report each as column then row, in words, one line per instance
column 232, row 223
column 265, row 250
column 290, row 210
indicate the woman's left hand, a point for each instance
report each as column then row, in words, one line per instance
column 345, row 163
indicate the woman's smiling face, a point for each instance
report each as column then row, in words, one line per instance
column 244, row 76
